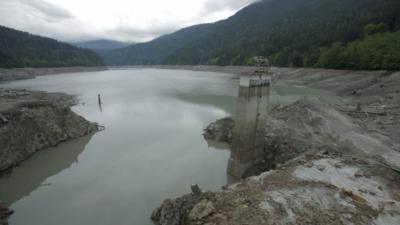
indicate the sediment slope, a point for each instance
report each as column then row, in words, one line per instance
column 31, row 121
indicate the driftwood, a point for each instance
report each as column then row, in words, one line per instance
column 364, row 112
column 3, row 118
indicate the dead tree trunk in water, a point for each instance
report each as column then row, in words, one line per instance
column 98, row 96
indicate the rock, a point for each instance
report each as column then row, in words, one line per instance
column 201, row 210
column 355, row 197
column 3, row 118
column 196, row 189
column 176, row 211
column 309, row 164
column 321, row 167
column 5, row 213
column 220, row 131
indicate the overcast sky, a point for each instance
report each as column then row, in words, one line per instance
column 125, row 20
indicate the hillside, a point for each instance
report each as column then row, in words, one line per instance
column 299, row 33
column 156, row 51
column 21, row 49
column 101, row 44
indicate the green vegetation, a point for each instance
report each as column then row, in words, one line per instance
column 20, row 49
column 345, row 34
column 375, row 51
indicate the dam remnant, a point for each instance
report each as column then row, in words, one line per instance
column 251, row 113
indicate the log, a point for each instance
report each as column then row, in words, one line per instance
column 364, row 112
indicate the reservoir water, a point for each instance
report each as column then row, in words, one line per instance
column 152, row 147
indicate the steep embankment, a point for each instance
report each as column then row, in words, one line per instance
column 350, row 34
column 31, row 121
column 20, row 49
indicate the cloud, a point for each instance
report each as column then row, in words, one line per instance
column 124, row 20
column 38, row 17
column 215, row 6
column 140, row 34
column 48, row 10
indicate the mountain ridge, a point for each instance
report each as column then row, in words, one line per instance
column 102, row 44
column 290, row 32
column 21, row 49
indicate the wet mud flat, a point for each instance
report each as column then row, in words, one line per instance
column 324, row 162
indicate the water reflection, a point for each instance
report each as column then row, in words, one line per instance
column 101, row 108
column 218, row 145
column 33, row 172
column 152, row 148
column 226, row 102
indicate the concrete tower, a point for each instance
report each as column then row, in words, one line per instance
column 250, row 122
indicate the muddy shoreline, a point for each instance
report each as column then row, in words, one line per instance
column 29, row 73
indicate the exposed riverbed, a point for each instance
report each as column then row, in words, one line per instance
column 152, row 147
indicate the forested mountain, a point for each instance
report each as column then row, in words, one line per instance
column 353, row 34
column 21, row 49
column 102, row 44
column 156, row 51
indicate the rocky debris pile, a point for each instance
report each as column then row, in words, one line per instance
column 181, row 210
column 311, row 125
column 31, row 121
column 314, row 189
column 378, row 114
column 220, row 130
column 5, row 213
column 327, row 170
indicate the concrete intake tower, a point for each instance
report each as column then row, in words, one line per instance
column 248, row 142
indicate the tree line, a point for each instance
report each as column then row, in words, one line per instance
column 21, row 49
